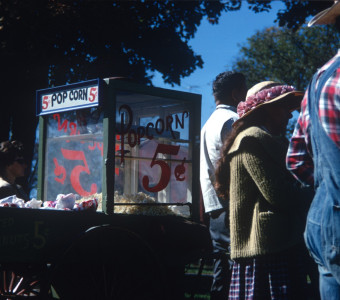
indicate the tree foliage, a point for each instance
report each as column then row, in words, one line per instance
column 287, row 56
column 54, row 42
column 296, row 12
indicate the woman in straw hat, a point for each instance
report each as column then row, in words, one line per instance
column 267, row 206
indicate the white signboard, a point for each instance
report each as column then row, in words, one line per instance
column 68, row 99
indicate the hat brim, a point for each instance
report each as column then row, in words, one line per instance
column 292, row 100
column 327, row 16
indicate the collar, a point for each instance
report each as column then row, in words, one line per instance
column 326, row 65
column 225, row 106
column 273, row 144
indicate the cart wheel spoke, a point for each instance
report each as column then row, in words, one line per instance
column 18, row 284
column 21, row 280
column 4, row 281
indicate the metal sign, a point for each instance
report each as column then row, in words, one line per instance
column 68, row 97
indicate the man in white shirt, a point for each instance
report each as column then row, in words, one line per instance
column 229, row 88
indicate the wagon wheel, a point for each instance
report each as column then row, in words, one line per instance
column 109, row 263
column 22, row 281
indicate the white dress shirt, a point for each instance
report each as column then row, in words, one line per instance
column 213, row 134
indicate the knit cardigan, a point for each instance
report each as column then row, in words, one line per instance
column 267, row 206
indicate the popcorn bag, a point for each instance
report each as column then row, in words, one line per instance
column 65, row 201
column 62, row 202
column 49, row 204
column 7, row 204
column 12, row 201
column 91, row 205
column 34, row 203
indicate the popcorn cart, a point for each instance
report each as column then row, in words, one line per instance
column 119, row 182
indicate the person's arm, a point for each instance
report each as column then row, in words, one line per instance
column 226, row 129
column 272, row 179
column 299, row 160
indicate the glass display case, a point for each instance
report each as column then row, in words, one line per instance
column 135, row 148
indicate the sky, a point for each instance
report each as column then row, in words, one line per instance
column 219, row 46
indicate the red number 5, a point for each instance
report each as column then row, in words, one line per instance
column 45, row 102
column 165, row 169
column 75, row 174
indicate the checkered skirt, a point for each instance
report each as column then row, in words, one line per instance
column 275, row 277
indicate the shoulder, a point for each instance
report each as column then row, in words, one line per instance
column 253, row 136
column 218, row 119
column 224, row 113
column 258, row 142
column 6, row 189
column 4, row 183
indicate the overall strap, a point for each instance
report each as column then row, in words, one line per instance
column 315, row 126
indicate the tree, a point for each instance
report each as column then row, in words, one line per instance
column 54, row 42
column 284, row 55
column 295, row 13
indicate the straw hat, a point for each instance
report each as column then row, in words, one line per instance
column 268, row 92
column 326, row 16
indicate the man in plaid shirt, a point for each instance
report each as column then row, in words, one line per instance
column 300, row 154
column 314, row 159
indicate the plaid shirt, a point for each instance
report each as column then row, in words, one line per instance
column 300, row 156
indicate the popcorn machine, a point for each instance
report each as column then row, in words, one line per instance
column 134, row 148
column 128, row 156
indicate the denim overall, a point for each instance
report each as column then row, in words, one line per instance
column 322, row 234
